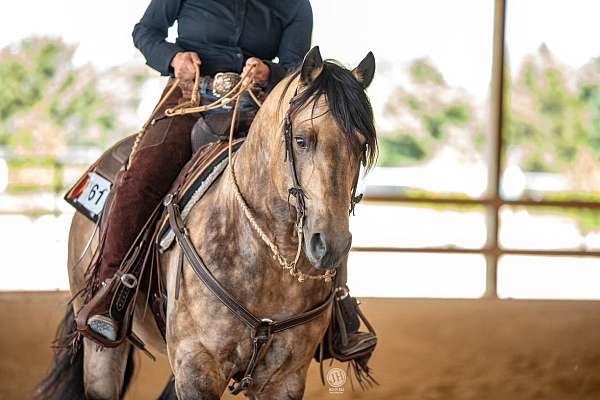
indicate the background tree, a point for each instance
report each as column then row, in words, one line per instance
column 429, row 115
column 47, row 104
column 554, row 120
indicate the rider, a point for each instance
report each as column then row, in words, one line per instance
column 219, row 36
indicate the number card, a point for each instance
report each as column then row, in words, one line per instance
column 95, row 193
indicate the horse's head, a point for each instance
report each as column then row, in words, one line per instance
column 330, row 131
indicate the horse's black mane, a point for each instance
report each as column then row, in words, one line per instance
column 348, row 104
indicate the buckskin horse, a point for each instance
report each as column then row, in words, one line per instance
column 328, row 127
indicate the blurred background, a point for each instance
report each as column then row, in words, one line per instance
column 487, row 185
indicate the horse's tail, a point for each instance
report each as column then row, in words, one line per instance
column 65, row 379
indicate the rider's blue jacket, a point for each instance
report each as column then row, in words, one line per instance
column 225, row 33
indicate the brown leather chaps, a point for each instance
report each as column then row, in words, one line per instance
column 161, row 154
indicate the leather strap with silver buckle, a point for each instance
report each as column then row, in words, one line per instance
column 129, row 281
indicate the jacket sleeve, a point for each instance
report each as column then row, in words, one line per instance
column 149, row 35
column 294, row 44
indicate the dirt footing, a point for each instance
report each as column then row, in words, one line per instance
column 429, row 349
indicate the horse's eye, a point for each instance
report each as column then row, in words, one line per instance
column 300, row 141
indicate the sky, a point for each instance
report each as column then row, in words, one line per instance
column 456, row 35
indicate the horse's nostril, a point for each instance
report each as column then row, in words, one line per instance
column 318, row 246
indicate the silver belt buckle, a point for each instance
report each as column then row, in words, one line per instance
column 224, row 82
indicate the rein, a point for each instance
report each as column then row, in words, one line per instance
column 192, row 106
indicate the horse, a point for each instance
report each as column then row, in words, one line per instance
column 333, row 132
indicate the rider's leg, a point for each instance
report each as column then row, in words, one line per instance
column 161, row 153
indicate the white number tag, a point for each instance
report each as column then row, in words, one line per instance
column 95, row 193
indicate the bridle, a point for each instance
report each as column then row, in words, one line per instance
column 295, row 191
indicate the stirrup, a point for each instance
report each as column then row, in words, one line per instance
column 104, row 326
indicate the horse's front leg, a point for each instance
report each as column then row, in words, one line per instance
column 283, row 385
column 197, row 375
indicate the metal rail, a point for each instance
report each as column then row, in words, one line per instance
column 495, row 202
column 482, row 250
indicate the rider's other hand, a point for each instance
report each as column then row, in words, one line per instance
column 259, row 75
column 183, row 65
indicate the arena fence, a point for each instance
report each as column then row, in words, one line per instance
column 493, row 201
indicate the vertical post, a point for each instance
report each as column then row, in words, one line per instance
column 495, row 149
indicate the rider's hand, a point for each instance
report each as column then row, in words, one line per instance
column 183, row 65
column 259, row 75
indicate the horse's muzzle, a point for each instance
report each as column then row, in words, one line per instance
column 325, row 252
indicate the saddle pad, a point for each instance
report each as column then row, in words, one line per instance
column 193, row 182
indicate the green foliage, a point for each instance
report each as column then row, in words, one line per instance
column 551, row 124
column 588, row 220
column 548, row 118
column 457, row 114
column 47, row 104
column 589, row 95
column 26, row 75
column 422, row 71
column 437, row 109
column 400, row 149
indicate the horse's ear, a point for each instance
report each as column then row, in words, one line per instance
column 365, row 71
column 312, row 66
